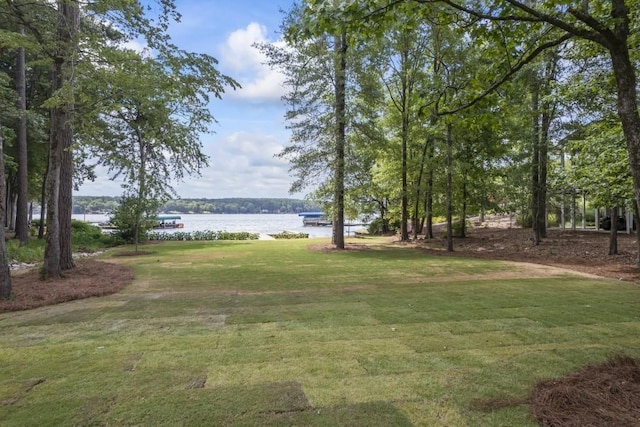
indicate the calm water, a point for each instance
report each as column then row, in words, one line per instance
column 259, row 223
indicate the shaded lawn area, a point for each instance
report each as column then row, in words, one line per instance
column 275, row 333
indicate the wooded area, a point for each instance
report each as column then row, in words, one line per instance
column 236, row 205
column 458, row 108
column 72, row 89
column 401, row 109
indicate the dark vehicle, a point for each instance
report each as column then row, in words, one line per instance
column 605, row 223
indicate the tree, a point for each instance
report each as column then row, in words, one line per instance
column 148, row 128
column 340, row 70
column 316, row 69
column 57, row 254
column 22, row 231
column 607, row 25
column 5, row 275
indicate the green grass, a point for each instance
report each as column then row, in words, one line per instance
column 272, row 333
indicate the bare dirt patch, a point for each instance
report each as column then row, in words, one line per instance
column 90, row 278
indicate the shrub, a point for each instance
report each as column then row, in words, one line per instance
column 201, row 235
column 32, row 252
column 378, row 227
column 134, row 214
column 290, row 235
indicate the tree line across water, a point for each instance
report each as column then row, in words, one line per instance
column 105, row 204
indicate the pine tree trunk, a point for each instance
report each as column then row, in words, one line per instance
column 5, row 275
column 65, row 203
column 22, row 224
column 61, row 135
column 52, row 267
column 43, row 201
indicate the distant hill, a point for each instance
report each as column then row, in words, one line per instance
column 104, row 204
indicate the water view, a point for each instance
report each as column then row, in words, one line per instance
column 253, row 223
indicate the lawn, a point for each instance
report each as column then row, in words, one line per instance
column 277, row 333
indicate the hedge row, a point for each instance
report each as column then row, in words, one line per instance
column 202, row 235
column 290, row 235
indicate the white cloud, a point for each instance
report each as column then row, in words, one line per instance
column 246, row 63
column 242, row 164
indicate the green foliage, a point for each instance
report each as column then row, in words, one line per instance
column 31, row 253
column 84, row 238
column 133, row 221
column 378, row 228
column 287, row 235
column 524, row 219
column 204, row 235
column 88, row 238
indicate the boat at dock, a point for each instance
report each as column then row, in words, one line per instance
column 315, row 219
column 168, row 221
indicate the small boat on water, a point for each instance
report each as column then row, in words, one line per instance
column 168, row 221
column 315, row 219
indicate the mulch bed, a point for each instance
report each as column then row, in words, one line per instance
column 90, row 278
column 604, row 395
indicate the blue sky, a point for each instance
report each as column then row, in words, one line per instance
column 251, row 126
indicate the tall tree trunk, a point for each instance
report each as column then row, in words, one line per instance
column 61, row 117
column 547, row 115
column 65, row 203
column 542, row 177
column 613, row 235
column 627, row 105
column 404, row 136
column 52, row 267
column 463, row 216
column 43, row 202
column 339, row 165
column 449, row 188
column 418, row 224
column 5, row 274
column 142, row 188
column 429, row 196
column 22, row 226
column 429, row 208
column 535, row 163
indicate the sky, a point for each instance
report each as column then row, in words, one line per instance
column 251, row 127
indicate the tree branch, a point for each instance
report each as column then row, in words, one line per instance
column 526, row 60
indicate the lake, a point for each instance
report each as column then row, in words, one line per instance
column 253, row 223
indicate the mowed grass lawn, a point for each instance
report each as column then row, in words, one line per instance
column 276, row 333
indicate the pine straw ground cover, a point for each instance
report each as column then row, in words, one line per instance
column 605, row 394
column 599, row 395
column 90, row 278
